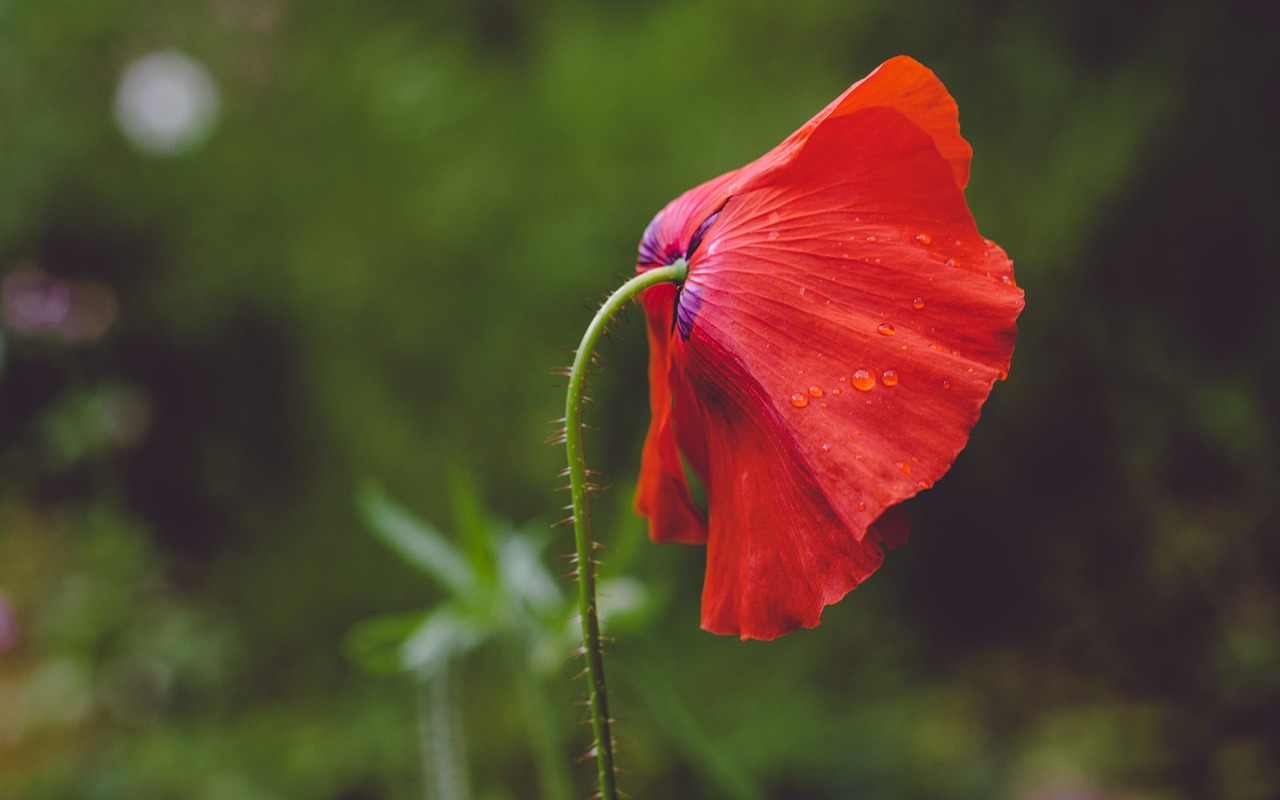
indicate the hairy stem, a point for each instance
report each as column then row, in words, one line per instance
column 582, row 514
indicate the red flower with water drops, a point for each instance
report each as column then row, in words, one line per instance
column 841, row 324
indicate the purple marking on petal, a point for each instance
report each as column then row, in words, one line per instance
column 702, row 231
column 650, row 249
column 688, row 301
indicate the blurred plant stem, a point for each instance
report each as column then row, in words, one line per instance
column 553, row 773
column 583, row 537
column 440, row 729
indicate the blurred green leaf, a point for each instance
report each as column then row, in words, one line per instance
column 445, row 634
column 472, row 521
column 525, row 579
column 375, row 644
column 415, row 542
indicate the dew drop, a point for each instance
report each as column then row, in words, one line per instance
column 904, row 466
column 876, row 261
column 835, row 392
column 946, row 384
column 862, row 506
column 917, row 303
column 885, row 329
column 951, row 262
column 799, row 400
column 924, row 238
column 863, row 380
column 889, row 377
column 815, row 391
column 822, row 405
column 873, row 239
column 923, row 484
column 826, row 447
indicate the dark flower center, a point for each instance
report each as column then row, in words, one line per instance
column 656, row 253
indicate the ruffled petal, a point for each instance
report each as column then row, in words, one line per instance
column 911, row 89
column 662, row 494
column 850, row 296
column 902, row 84
column 774, row 557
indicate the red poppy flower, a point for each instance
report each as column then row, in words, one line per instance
column 840, row 326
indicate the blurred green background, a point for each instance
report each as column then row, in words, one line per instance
column 310, row 244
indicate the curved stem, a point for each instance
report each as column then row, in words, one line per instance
column 582, row 514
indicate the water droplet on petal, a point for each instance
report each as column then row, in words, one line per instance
column 862, row 506
column 924, row 238
column 815, row 391
column 951, row 262
column 923, row 484
column 873, row 239
column 904, row 466
column 946, row 384
column 885, row 329
column 835, row 392
column 822, row 405
column 876, row 261
column 889, row 377
column 799, row 400
column 826, row 447
column 863, row 380
column 917, row 303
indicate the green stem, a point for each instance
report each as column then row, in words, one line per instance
column 582, row 513
column 443, row 759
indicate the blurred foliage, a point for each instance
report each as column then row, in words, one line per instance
column 368, row 262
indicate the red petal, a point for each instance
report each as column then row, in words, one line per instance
column 662, row 494
column 774, row 557
column 907, row 86
column 902, row 84
column 798, row 278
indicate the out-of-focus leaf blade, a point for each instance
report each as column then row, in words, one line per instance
column 526, row 579
column 414, row 541
column 444, row 635
column 375, row 644
column 475, row 528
